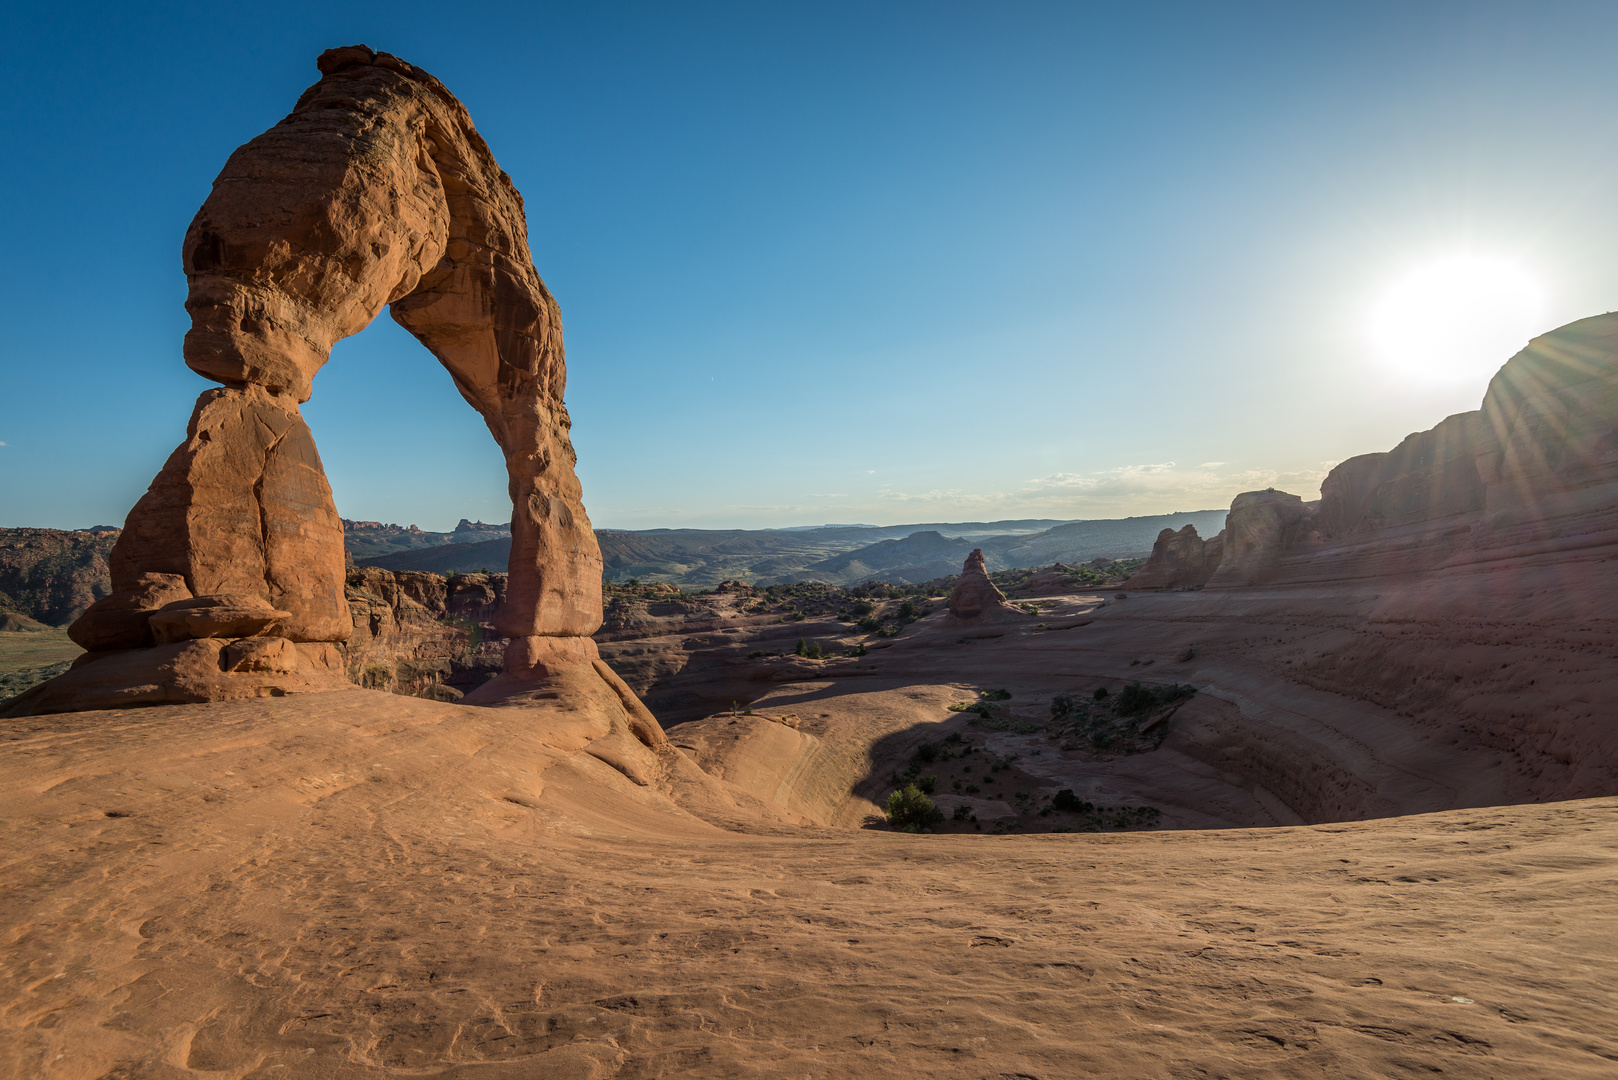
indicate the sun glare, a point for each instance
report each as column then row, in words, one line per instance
column 1457, row 317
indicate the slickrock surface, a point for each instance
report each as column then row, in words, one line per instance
column 362, row 885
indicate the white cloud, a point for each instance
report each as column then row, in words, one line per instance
column 1210, row 464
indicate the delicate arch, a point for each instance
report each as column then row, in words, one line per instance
column 375, row 191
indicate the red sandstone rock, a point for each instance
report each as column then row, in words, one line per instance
column 121, row 619
column 1179, row 559
column 1261, row 526
column 215, row 617
column 375, row 192
column 975, row 596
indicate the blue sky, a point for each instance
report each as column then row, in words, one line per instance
column 835, row 262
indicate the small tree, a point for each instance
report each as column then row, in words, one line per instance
column 910, row 810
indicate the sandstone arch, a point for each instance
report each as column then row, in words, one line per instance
column 376, row 191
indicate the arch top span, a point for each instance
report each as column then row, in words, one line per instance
column 375, row 191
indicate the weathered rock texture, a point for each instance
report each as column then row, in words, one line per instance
column 975, row 597
column 1180, row 560
column 376, row 191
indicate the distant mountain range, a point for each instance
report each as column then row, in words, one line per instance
column 835, row 554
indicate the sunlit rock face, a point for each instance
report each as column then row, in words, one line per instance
column 376, row 191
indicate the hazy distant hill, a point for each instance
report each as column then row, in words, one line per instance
column 836, row 554
column 1083, row 540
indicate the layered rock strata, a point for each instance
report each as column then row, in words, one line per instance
column 376, row 191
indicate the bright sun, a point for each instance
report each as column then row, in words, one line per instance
column 1457, row 317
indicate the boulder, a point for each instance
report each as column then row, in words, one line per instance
column 225, row 616
column 121, row 620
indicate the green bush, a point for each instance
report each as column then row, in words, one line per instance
column 910, row 810
column 927, row 784
column 1066, row 800
column 963, row 812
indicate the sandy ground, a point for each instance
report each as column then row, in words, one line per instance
column 353, row 884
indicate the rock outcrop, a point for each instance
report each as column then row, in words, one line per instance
column 1261, row 527
column 375, row 192
column 1180, row 560
column 975, row 597
column 419, row 634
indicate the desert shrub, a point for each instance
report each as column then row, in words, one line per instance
column 869, row 624
column 1135, row 699
column 927, row 784
column 909, row 612
column 953, row 737
column 755, row 654
column 964, row 812
column 995, row 695
column 1101, row 693
column 910, row 810
column 927, row 752
column 1065, row 800
column 1062, row 706
column 857, row 650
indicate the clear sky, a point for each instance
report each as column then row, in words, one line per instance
column 827, row 262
